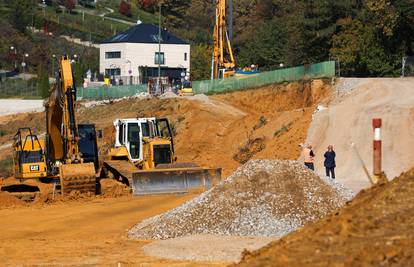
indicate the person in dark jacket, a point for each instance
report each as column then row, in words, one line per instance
column 329, row 162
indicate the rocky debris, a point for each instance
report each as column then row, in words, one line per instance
column 261, row 198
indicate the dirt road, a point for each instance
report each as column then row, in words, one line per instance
column 81, row 233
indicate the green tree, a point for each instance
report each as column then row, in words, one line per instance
column 43, row 85
column 78, row 73
column 20, row 14
column 201, row 62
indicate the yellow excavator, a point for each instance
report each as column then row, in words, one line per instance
column 143, row 157
column 69, row 156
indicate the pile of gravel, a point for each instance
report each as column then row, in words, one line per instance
column 261, row 198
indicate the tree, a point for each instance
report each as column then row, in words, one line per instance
column 69, row 5
column 43, row 81
column 125, row 8
column 146, row 4
column 20, row 15
column 201, row 62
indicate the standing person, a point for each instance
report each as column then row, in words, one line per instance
column 329, row 162
column 308, row 157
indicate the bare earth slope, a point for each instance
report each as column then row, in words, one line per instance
column 222, row 130
column 349, row 119
column 374, row 229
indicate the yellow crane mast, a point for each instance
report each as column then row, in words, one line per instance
column 223, row 59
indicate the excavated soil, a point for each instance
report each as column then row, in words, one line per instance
column 9, row 201
column 374, row 229
column 262, row 198
column 113, row 188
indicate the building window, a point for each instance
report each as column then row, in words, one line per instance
column 159, row 58
column 115, row 54
column 113, row 72
column 185, row 56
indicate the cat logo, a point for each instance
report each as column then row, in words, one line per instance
column 34, row 168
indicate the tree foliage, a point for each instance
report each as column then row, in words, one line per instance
column 201, row 61
column 125, row 8
column 20, row 15
column 43, row 81
column 69, row 4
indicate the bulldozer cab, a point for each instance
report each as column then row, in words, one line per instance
column 145, row 136
column 28, row 157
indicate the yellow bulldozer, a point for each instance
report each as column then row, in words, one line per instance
column 143, row 157
column 69, row 156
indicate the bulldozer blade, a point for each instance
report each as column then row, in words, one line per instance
column 174, row 180
column 80, row 177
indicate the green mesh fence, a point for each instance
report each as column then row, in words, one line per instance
column 320, row 70
column 105, row 92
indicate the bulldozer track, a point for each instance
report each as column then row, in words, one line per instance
column 121, row 168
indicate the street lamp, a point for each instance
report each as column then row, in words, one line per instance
column 53, row 64
column 129, row 71
column 12, row 48
column 25, row 56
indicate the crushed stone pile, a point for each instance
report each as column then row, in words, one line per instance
column 261, row 198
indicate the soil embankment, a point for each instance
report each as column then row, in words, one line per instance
column 374, row 229
column 348, row 119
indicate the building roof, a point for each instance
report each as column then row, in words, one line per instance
column 144, row 33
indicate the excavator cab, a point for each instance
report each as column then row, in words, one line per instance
column 28, row 158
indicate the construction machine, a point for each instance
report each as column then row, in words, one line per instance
column 187, row 88
column 69, row 156
column 223, row 65
column 143, row 157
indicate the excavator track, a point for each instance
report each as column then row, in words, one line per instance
column 78, row 177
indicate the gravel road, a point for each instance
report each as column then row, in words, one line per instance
column 14, row 106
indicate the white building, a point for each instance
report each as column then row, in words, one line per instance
column 133, row 55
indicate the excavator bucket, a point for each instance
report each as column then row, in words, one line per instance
column 174, row 180
column 77, row 177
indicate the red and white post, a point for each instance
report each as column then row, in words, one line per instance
column 376, row 124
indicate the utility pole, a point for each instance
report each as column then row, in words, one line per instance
column 159, row 45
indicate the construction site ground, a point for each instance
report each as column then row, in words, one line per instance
column 223, row 130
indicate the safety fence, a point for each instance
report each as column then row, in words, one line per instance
column 11, row 88
column 313, row 71
column 110, row 92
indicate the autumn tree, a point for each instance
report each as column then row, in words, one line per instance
column 69, row 5
column 146, row 4
column 125, row 8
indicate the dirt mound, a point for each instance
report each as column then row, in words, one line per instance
column 113, row 188
column 374, row 229
column 9, row 201
column 262, row 198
